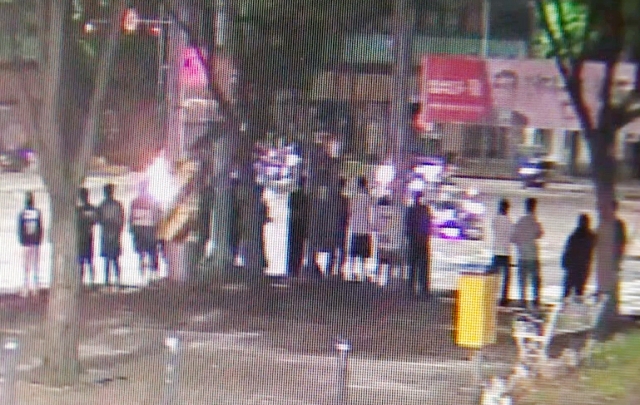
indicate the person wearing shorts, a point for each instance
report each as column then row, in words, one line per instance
column 360, row 215
column 143, row 222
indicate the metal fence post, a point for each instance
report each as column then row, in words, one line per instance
column 343, row 347
column 172, row 364
column 8, row 376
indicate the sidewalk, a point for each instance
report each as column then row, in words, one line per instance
column 260, row 345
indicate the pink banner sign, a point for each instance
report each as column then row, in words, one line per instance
column 513, row 92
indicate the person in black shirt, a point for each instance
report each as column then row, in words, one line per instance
column 30, row 235
column 87, row 217
column 111, row 217
column 577, row 257
column 418, row 228
column 298, row 207
column 340, row 223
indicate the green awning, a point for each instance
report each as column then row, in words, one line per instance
column 377, row 48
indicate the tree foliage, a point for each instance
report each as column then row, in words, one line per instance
column 579, row 32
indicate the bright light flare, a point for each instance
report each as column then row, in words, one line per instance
column 89, row 28
column 385, row 174
column 162, row 184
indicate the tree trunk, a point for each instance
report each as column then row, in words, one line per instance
column 399, row 130
column 63, row 321
column 607, row 273
column 222, row 257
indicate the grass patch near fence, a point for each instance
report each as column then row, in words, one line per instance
column 613, row 377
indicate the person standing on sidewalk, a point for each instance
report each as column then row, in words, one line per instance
column 111, row 218
column 340, row 207
column 298, row 213
column 87, row 217
column 389, row 227
column 30, row 235
column 620, row 237
column 360, row 213
column 502, row 228
column 418, row 228
column 144, row 219
column 525, row 236
column 577, row 257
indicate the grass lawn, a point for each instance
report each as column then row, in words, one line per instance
column 612, row 378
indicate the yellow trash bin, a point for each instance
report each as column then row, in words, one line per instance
column 476, row 314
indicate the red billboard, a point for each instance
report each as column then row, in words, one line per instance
column 454, row 89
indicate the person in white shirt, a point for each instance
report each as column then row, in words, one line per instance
column 361, row 226
column 525, row 236
column 502, row 228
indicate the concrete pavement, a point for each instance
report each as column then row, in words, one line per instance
column 260, row 346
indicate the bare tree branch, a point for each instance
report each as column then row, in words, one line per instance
column 90, row 130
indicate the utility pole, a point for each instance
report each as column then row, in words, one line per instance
column 399, row 128
column 486, row 28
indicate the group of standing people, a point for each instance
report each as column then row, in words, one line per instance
column 145, row 216
column 576, row 258
column 401, row 240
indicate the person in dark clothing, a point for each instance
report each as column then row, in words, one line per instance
column 340, row 227
column 205, row 208
column 264, row 219
column 30, row 234
column 418, row 228
column 577, row 257
column 298, row 211
column 143, row 223
column 235, row 221
column 620, row 238
column 87, row 217
column 111, row 218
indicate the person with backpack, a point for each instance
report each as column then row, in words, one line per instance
column 111, row 218
column 87, row 217
column 30, row 235
column 143, row 223
column 577, row 257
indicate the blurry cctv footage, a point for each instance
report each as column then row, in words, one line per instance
column 320, row 202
